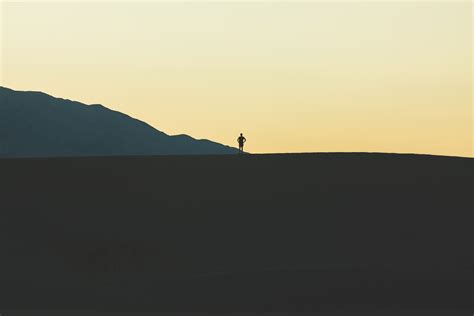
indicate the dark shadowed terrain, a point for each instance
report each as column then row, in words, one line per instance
column 339, row 234
column 34, row 124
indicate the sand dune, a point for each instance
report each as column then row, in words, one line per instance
column 332, row 233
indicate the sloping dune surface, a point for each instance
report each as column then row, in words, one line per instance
column 327, row 233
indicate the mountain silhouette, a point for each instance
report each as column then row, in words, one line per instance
column 34, row 124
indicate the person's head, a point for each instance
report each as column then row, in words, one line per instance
column 240, row 134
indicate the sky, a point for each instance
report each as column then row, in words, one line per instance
column 293, row 76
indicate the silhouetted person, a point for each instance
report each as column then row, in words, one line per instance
column 241, row 140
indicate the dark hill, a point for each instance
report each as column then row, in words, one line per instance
column 34, row 124
column 357, row 234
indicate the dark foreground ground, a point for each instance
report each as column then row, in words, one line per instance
column 338, row 234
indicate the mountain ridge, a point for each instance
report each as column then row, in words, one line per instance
column 36, row 124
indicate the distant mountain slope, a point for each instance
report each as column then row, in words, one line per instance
column 34, row 124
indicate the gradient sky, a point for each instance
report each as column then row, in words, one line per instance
column 292, row 76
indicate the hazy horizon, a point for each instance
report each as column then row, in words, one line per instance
column 293, row 77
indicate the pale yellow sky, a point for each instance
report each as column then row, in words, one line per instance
column 292, row 76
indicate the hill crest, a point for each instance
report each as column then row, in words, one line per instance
column 35, row 124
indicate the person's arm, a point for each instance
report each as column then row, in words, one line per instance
column 245, row 139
